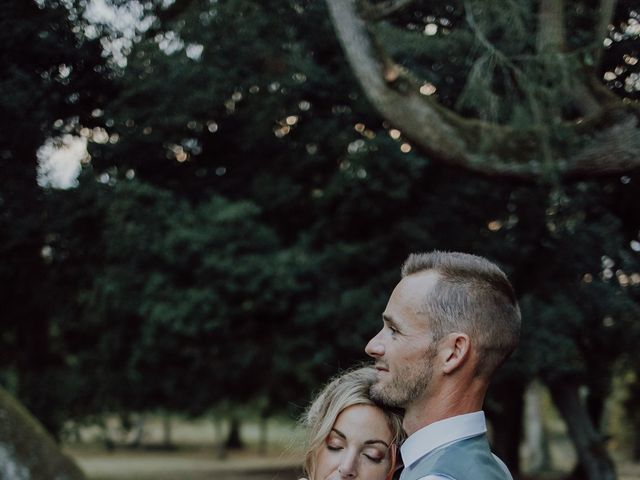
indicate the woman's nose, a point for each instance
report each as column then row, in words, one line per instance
column 348, row 466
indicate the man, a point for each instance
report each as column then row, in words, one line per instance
column 449, row 324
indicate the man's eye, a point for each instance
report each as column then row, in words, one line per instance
column 333, row 448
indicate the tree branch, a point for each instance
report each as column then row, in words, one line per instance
column 605, row 16
column 593, row 94
column 552, row 39
column 612, row 149
column 385, row 9
column 486, row 148
column 551, row 31
column 369, row 70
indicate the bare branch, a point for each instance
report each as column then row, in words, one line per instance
column 369, row 69
column 385, row 9
column 585, row 100
column 552, row 39
column 551, row 29
column 611, row 150
column 592, row 94
column 605, row 16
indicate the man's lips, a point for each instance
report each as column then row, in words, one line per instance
column 381, row 368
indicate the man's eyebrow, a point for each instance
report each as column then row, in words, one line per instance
column 368, row 442
column 389, row 320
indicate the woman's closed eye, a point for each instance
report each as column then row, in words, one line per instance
column 334, row 444
column 374, row 459
column 376, row 456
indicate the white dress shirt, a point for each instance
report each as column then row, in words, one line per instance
column 440, row 434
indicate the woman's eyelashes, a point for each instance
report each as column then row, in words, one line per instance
column 335, row 443
column 374, row 455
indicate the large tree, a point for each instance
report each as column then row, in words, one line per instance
column 52, row 78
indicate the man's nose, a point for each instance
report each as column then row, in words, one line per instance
column 375, row 347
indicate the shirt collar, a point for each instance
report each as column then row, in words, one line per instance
column 441, row 433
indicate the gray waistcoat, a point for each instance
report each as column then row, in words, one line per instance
column 469, row 459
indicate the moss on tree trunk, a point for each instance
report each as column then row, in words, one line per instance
column 27, row 451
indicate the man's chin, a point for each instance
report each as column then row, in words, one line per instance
column 375, row 391
column 379, row 394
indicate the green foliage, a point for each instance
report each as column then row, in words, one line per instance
column 52, row 79
column 181, row 287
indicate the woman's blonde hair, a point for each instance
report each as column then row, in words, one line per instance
column 343, row 391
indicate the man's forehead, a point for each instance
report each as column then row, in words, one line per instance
column 417, row 285
column 411, row 293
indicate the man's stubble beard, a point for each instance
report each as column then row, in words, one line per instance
column 407, row 385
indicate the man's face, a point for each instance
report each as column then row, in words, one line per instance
column 403, row 350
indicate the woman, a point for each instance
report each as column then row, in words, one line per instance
column 348, row 436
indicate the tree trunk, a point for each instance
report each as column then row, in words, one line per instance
column 27, row 451
column 605, row 17
column 166, row 431
column 536, row 434
column 632, row 414
column 594, row 403
column 234, row 441
column 264, row 424
column 590, row 447
column 109, row 443
column 506, row 419
column 551, row 31
column 595, row 407
column 131, row 429
column 138, row 433
column 635, row 449
column 221, row 452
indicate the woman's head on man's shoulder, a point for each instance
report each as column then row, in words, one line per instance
column 348, row 434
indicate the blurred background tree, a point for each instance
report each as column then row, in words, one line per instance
column 52, row 79
column 245, row 204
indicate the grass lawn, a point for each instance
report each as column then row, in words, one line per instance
column 195, row 456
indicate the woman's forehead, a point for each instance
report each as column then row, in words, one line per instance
column 364, row 423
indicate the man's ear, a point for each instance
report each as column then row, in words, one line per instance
column 455, row 350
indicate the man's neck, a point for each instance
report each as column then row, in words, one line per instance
column 448, row 403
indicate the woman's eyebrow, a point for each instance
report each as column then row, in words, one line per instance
column 371, row 442
column 339, row 433
column 368, row 442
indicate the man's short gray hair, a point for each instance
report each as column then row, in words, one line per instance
column 472, row 296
